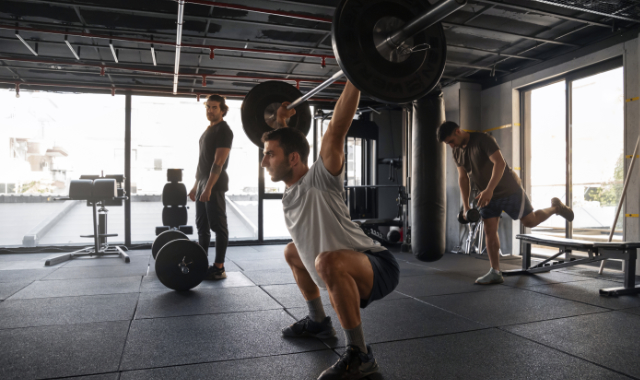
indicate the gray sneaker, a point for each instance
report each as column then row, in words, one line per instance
column 493, row 277
column 353, row 365
column 563, row 210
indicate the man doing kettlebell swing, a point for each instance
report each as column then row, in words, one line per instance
column 328, row 250
column 479, row 159
column 212, row 182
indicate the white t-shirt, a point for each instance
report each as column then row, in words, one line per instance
column 318, row 218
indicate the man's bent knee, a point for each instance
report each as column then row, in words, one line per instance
column 327, row 264
column 291, row 253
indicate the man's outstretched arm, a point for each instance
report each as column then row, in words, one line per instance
column 332, row 150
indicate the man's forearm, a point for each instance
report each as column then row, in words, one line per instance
column 496, row 176
column 213, row 176
column 465, row 190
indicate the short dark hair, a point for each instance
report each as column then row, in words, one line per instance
column 446, row 129
column 290, row 140
column 222, row 101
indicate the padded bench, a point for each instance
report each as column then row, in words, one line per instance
column 596, row 252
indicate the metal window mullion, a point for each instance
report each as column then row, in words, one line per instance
column 260, row 198
column 127, row 171
column 569, row 157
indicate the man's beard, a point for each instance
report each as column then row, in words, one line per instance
column 282, row 172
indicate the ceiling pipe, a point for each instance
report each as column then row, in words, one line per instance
column 160, row 72
column 211, row 48
column 113, row 89
column 176, row 71
column 258, row 10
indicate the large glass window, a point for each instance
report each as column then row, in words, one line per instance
column 47, row 140
column 597, row 104
column 590, row 180
column 165, row 135
column 548, row 173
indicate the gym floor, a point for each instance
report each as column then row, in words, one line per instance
column 103, row 319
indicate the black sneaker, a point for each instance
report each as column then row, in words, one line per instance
column 352, row 365
column 306, row 327
column 214, row 273
column 563, row 210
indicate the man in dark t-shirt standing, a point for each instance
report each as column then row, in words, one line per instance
column 212, row 182
column 480, row 161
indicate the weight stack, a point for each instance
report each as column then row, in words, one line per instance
column 428, row 179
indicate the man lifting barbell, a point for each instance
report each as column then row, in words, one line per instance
column 480, row 161
column 212, row 182
column 328, row 250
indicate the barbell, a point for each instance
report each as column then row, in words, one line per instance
column 181, row 264
column 380, row 46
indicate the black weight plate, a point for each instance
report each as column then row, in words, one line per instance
column 164, row 238
column 386, row 81
column 473, row 215
column 262, row 96
column 169, row 270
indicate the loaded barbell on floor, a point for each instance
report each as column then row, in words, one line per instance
column 181, row 264
column 380, row 46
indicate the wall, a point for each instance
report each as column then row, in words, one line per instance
column 500, row 107
column 462, row 106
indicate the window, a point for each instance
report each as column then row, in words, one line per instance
column 582, row 115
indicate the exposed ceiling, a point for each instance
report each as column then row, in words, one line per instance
column 118, row 45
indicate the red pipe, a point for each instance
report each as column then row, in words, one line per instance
column 129, row 89
column 140, row 40
column 204, row 76
column 258, row 10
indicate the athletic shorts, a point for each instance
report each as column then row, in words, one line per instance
column 386, row 275
column 510, row 204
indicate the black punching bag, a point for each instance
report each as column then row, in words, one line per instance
column 428, row 179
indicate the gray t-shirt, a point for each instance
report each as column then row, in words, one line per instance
column 318, row 218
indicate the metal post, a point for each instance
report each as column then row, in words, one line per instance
column 127, row 170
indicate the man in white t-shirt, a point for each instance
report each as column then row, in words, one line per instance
column 328, row 250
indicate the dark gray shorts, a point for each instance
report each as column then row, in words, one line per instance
column 386, row 275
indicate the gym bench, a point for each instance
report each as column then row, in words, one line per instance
column 625, row 251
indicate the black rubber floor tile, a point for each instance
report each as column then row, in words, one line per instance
column 592, row 271
column 527, row 281
column 307, row 365
column 271, row 277
column 229, row 266
column 151, row 283
column 289, row 295
column 25, row 256
column 609, row 339
column 7, row 289
column 62, row 351
column 635, row 310
column 204, row 338
column 412, row 269
column 465, row 265
column 223, row 300
column 22, row 275
column 266, row 255
column 440, row 283
column 385, row 321
column 589, row 292
column 269, row 247
column 465, row 356
column 134, row 260
column 67, row 310
column 18, row 265
column 102, row 271
column 266, row 264
column 237, row 249
column 509, row 306
column 79, row 287
column 104, row 376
